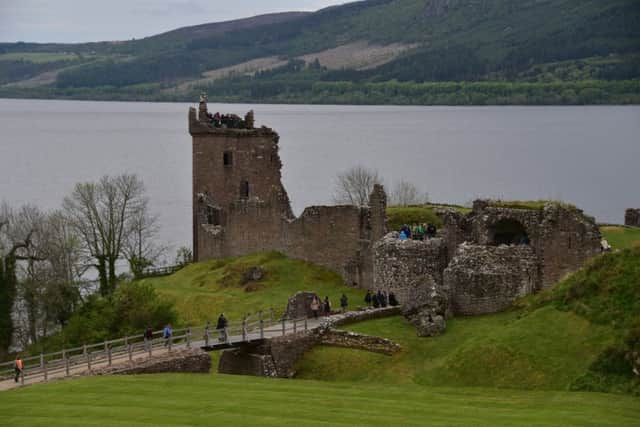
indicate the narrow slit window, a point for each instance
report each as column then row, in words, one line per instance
column 244, row 189
column 227, row 158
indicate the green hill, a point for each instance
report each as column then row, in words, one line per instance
column 375, row 51
column 201, row 291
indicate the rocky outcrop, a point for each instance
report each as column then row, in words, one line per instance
column 299, row 305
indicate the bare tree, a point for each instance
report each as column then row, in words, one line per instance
column 354, row 186
column 102, row 213
column 140, row 248
column 406, row 193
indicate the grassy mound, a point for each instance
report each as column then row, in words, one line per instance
column 203, row 290
column 501, row 350
column 181, row 400
column 574, row 336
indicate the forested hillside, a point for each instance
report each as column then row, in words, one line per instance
column 375, row 51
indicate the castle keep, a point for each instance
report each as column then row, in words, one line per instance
column 240, row 205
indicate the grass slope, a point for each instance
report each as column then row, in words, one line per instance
column 547, row 350
column 187, row 400
column 203, row 290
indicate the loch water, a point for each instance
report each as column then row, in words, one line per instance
column 588, row 156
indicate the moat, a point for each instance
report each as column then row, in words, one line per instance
column 584, row 155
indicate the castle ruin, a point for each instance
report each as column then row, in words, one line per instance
column 240, row 205
column 485, row 259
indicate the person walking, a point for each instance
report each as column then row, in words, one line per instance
column 17, row 367
column 166, row 334
column 367, row 298
column 344, row 302
column 315, row 306
column 221, row 326
column 148, row 338
column 327, row 306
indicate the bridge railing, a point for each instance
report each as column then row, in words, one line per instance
column 74, row 361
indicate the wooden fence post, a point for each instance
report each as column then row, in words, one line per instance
column 295, row 321
column 305, row 324
column 106, row 353
column 66, row 362
column 244, row 329
column 88, row 356
column 283, row 327
column 261, row 329
column 109, row 355
column 130, row 352
column 22, row 375
column 189, row 337
column 43, row 366
column 206, row 335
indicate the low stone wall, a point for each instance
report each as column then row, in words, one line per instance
column 353, row 340
column 359, row 316
column 180, row 361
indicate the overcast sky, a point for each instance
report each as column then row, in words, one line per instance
column 92, row 20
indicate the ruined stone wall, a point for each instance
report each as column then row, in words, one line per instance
column 409, row 268
column 567, row 239
column 229, row 222
column 487, row 279
column 357, row 341
column 632, row 217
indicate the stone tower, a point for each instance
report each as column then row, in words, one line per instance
column 240, row 205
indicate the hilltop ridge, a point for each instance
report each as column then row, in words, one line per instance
column 375, row 51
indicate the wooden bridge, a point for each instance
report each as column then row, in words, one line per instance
column 84, row 360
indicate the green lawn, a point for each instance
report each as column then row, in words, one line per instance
column 547, row 349
column 192, row 399
column 202, row 290
column 621, row 237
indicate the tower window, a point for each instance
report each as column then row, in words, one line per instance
column 213, row 215
column 244, row 189
column 227, row 158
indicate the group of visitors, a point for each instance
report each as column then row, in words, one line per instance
column 324, row 307
column 380, row 299
column 224, row 121
column 418, row 232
